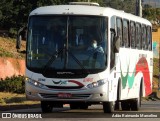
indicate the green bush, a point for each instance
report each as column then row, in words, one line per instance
column 4, row 53
column 13, row 84
column 12, row 32
column 2, row 101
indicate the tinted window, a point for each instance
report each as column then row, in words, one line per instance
column 66, row 43
column 144, row 39
column 119, row 31
column 126, row 33
column 149, row 38
column 138, row 35
column 132, row 34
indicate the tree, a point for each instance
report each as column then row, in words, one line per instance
column 14, row 13
column 151, row 13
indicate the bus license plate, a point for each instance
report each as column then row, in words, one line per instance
column 64, row 95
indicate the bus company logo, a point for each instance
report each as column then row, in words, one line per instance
column 41, row 80
column 61, row 82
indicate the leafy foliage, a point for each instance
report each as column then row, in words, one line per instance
column 13, row 84
column 126, row 5
column 151, row 13
column 14, row 13
column 4, row 53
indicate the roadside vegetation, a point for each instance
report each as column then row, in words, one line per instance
column 7, row 98
column 156, row 72
column 8, row 48
column 14, row 13
column 12, row 91
column 13, row 84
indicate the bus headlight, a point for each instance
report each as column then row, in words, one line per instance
column 96, row 84
column 35, row 83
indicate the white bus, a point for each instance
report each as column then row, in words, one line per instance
column 82, row 55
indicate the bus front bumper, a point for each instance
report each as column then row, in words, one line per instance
column 97, row 94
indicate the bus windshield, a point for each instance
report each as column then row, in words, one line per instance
column 65, row 43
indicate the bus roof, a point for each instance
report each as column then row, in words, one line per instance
column 86, row 10
column 84, row 3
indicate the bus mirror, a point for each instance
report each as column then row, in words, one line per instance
column 117, row 44
column 18, row 42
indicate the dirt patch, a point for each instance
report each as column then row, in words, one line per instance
column 8, row 48
column 11, row 67
column 11, row 61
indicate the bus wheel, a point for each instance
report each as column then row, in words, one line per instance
column 46, row 106
column 135, row 104
column 117, row 107
column 108, row 107
column 125, row 105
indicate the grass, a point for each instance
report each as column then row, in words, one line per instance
column 14, row 99
column 4, row 53
column 156, row 69
column 8, row 48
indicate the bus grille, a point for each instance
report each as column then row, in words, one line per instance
column 63, row 87
column 74, row 96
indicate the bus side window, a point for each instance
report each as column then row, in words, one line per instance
column 144, row 39
column 149, row 38
column 132, row 34
column 126, row 33
column 138, row 36
column 112, row 44
column 119, row 30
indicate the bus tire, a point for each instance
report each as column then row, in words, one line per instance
column 136, row 103
column 108, row 107
column 117, row 106
column 125, row 105
column 46, row 106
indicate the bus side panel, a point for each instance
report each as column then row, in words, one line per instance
column 145, row 65
column 113, row 85
column 133, row 66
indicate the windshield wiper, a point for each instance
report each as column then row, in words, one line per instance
column 55, row 56
column 52, row 59
column 78, row 62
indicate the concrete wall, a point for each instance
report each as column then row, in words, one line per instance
column 11, row 66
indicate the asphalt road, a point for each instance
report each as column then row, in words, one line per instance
column 149, row 110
